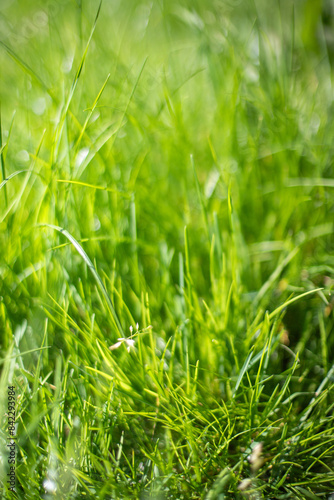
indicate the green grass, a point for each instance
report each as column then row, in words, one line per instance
column 167, row 180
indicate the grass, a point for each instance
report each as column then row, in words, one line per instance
column 167, row 249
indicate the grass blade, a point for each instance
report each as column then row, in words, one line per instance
column 91, row 266
column 243, row 371
column 14, row 174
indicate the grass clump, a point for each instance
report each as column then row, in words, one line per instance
column 166, row 249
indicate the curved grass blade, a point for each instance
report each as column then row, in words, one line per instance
column 27, row 69
column 24, row 353
column 291, row 301
column 283, row 306
column 94, row 186
column 74, row 83
column 274, row 276
column 91, row 266
column 91, row 111
column 222, row 481
column 110, row 131
column 309, row 182
column 10, row 176
column 25, row 183
column 243, row 371
column 200, row 197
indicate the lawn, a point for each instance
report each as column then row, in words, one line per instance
column 166, row 249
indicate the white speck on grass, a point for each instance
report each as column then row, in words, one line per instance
column 76, row 422
column 81, row 156
column 94, row 116
column 129, row 344
column 23, row 156
column 67, row 64
column 142, row 16
column 211, row 183
column 49, row 485
column 245, row 485
column 97, row 223
column 251, row 73
column 39, row 106
column 256, row 459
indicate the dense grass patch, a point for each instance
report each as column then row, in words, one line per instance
column 166, row 243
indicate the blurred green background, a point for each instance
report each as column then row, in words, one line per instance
column 124, row 128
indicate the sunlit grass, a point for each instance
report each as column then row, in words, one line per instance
column 166, row 247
